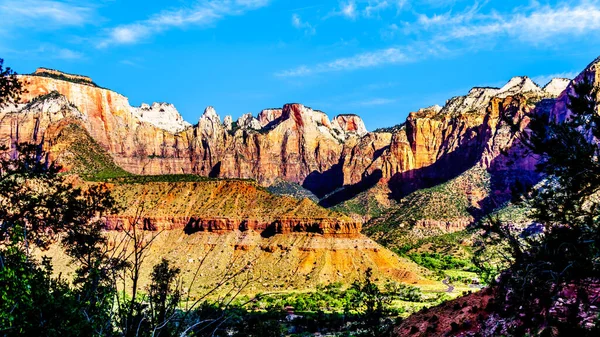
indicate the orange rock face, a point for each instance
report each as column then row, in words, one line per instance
column 222, row 206
column 295, row 143
column 326, row 227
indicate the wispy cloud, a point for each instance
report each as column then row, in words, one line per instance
column 348, row 9
column 352, row 9
column 45, row 14
column 535, row 24
column 544, row 79
column 374, row 102
column 364, row 60
column 46, row 51
column 131, row 62
column 456, row 32
column 381, row 57
column 204, row 13
column 302, row 25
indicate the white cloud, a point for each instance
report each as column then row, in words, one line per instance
column 389, row 32
column 348, row 9
column 202, row 14
column 453, row 33
column 67, row 54
column 299, row 24
column 534, row 24
column 364, row 60
column 352, row 9
column 374, row 7
column 544, row 79
column 375, row 102
column 46, row 51
column 45, row 14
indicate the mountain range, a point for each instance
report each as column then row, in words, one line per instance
column 289, row 172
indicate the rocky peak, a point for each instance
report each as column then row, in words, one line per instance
column 269, row 115
column 477, row 98
column 350, row 124
column 560, row 109
column 304, row 116
column 432, row 110
column 435, row 108
column 161, row 115
column 247, row 121
column 518, row 85
column 54, row 105
column 556, row 86
column 211, row 114
column 228, row 123
column 210, row 122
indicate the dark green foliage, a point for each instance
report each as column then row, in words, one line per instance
column 392, row 129
column 37, row 206
column 566, row 253
column 439, row 262
column 164, row 295
column 33, row 303
column 86, row 157
column 37, row 203
column 373, row 307
column 11, row 88
column 73, row 79
column 51, row 95
column 282, row 187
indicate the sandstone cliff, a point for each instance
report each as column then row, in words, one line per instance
column 222, row 206
column 336, row 159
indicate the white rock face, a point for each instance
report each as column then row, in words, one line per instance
column 55, row 107
column 556, row 86
column 349, row 124
column 476, row 99
column 479, row 98
column 210, row 123
column 247, row 121
column 228, row 123
column 518, row 85
column 269, row 115
column 161, row 115
column 211, row 114
column 435, row 108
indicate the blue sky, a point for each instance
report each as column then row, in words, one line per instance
column 380, row 59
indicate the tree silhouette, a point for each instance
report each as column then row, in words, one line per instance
column 565, row 255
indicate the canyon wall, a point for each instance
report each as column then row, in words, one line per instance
column 294, row 143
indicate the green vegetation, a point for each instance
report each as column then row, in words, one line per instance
column 11, row 88
column 448, row 256
column 438, row 262
column 51, row 95
column 85, row 156
column 392, row 129
column 282, row 187
column 365, row 204
column 558, row 262
column 65, row 77
column 333, row 298
column 449, row 201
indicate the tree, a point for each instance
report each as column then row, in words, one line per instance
column 565, row 255
column 11, row 88
column 40, row 207
column 164, row 295
column 37, row 204
column 372, row 305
